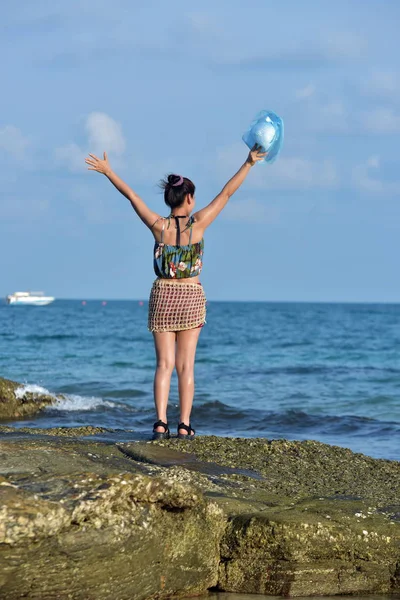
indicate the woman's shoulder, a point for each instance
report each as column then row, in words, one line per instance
column 160, row 223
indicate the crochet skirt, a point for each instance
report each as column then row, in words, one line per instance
column 176, row 306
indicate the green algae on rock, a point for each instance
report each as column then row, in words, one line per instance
column 82, row 518
column 300, row 469
column 15, row 402
column 103, row 534
column 71, row 432
column 299, row 552
column 306, row 519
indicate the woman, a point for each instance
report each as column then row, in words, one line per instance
column 177, row 301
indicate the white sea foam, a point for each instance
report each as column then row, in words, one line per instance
column 68, row 402
column 73, row 402
column 31, row 389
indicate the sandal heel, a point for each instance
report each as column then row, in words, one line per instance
column 186, row 436
column 161, row 435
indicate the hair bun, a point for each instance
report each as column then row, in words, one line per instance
column 175, row 180
column 175, row 188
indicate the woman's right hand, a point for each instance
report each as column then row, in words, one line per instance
column 99, row 165
column 255, row 155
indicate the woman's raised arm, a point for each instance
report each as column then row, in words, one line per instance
column 148, row 216
column 206, row 215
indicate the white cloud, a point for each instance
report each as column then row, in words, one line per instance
column 333, row 48
column 204, row 24
column 374, row 161
column 381, row 83
column 380, row 120
column 72, row 156
column 287, row 173
column 302, row 173
column 345, row 45
column 321, row 115
column 306, row 92
column 13, row 142
column 331, row 117
column 334, row 117
column 334, row 109
column 365, row 177
column 363, row 180
column 104, row 134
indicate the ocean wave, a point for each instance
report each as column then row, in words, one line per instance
column 58, row 336
column 126, row 393
column 328, row 369
column 218, row 412
column 209, row 360
column 100, row 389
column 122, row 364
column 32, row 388
column 68, row 402
column 302, row 420
column 290, row 421
column 305, row 370
column 293, row 344
column 74, row 402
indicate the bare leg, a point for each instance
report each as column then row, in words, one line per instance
column 164, row 343
column 186, row 344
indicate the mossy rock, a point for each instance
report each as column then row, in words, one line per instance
column 82, row 518
column 15, row 404
column 98, row 532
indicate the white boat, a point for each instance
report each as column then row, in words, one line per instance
column 25, row 298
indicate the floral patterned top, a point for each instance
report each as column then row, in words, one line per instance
column 178, row 262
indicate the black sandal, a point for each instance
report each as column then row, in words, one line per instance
column 160, row 435
column 188, row 435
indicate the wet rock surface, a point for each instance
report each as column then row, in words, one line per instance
column 79, row 520
column 15, row 402
column 299, row 469
column 83, row 518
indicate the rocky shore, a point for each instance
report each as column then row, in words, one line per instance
column 16, row 402
column 83, row 515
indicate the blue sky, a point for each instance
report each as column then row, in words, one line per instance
column 172, row 86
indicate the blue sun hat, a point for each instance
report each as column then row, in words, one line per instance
column 267, row 131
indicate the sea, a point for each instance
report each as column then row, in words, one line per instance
column 326, row 372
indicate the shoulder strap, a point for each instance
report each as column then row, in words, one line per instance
column 162, row 230
column 190, row 225
column 178, row 231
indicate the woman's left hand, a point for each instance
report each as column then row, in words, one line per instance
column 96, row 164
column 256, row 154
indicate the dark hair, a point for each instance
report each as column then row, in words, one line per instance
column 175, row 189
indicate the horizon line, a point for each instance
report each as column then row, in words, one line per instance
column 102, row 299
